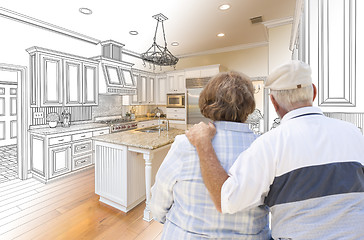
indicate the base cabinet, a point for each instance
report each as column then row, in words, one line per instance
column 57, row 155
column 60, row 160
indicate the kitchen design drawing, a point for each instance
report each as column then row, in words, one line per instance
column 92, row 95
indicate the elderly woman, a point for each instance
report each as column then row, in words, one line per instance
column 180, row 199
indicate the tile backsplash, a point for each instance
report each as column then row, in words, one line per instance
column 77, row 114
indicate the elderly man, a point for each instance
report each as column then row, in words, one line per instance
column 309, row 170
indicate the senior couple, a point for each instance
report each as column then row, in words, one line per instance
column 219, row 181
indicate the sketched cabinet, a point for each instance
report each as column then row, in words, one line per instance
column 61, row 79
column 73, row 82
column 51, row 80
column 80, row 83
column 59, row 160
column 90, row 84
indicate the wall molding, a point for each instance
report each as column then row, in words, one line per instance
column 45, row 25
column 278, row 22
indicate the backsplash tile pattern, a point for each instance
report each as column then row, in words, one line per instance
column 77, row 114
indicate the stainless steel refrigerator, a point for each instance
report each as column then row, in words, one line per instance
column 194, row 87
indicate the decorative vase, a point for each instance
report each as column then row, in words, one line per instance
column 52, row 124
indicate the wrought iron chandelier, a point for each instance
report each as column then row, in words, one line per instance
column 156, row 54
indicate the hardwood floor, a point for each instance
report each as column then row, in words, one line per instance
column 67, row 209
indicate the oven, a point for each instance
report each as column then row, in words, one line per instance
column 176, row 100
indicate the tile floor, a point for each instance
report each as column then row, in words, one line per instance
column 8, row 163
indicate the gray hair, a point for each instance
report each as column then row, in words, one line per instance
column 292, row 98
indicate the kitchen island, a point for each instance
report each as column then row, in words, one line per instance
column 126, row 164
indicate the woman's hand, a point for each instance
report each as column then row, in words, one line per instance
column 201, row 133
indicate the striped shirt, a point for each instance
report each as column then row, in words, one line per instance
column 181, row 201
column 309, row 171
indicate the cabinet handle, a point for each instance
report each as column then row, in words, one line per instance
column 83, row 147
column 83, row 136
column 101, row 133
column 60, row 140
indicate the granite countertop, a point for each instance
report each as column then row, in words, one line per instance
column 76, row 127
column 146, row 140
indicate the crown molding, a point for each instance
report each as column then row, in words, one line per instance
column 278, row 22
column 225, row 49
column 45, row 25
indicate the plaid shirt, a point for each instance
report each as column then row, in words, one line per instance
column 181, row 201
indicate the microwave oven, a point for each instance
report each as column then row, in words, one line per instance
column 176, row 100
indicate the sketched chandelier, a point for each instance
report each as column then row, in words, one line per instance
column 156, row 54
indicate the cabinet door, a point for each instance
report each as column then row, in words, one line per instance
column 143, row 88
column 51, row 81
column 171, row 84
column 60, row 160
column 161, row 91
column 135, row 98
column 73, row 82
column 151, row 96
column 90, row 84
column 180, row 82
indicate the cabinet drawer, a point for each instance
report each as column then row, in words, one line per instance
column 176, row 111
column 81, row 147
column 81, row 162
column 59, row 140
column 81, row 136
column 100, row 132
column 176, row 116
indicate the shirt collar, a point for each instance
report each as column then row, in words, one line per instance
column 301, row 111
column 232, row 126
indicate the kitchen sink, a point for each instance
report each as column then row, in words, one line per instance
column 149, row 130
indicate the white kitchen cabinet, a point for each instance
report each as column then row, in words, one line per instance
column 150, row 90
column 149, row 123
column 145, row 90
column 176, row 82
column 58, row 154
column 61, row 79
column 202, row 72
column 161, row 90
column 176, row 113
column 60, row 160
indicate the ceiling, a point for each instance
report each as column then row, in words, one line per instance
column 194, row 24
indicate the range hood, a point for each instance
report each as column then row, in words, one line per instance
column 115, row 75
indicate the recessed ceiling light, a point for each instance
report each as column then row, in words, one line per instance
column 175, row 44
column 86, row 11
column 224, row 7
column 133, row 32
column 221, row 34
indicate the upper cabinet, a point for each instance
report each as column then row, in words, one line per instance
column 176, row 82
column 60, row 79
column 328, row 42
column 202, row 72
column 161, row 89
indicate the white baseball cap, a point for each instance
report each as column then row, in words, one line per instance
column 291, row 75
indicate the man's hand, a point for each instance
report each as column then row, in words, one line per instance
column 201, row 133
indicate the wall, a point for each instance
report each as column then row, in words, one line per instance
column 252, row 61
column 279, row 53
